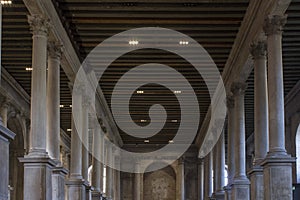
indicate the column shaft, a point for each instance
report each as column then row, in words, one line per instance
column 219, row 192
column 208, row 176
column 240, row 182
column 85, row 138
column 39, row 27
column 201, row 179
column 109, row 173
column 53, row 101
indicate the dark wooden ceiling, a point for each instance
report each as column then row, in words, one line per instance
column 214, row 24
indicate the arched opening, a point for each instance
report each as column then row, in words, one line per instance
column 16, row 169
column 160, row 184
column 298, row 153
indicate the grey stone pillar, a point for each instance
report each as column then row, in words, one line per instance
column 241, row 184
column 75, row 183
column 220, row 167
column 109, row 172
column 230, row 146
column 5, row 137
column 200, row 179
column 96, row 173
column 53, row 120
column 4, row 111
column 117, row 186
column 181, row 179
column 37, row 164
column 261, row 131
column 277, row 165
column 208, row 176
column 137, row 183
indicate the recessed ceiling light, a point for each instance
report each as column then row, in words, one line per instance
column 146, row 141
column 6, row 2
column 182, row 42
column 133, row 42
column 174, row 120
column 61, row 106
column 171, row 141
column 143, row 120
column 28, row 68
column 69, row 129
column 140, row 92
column 70, row 106
column 177, row 92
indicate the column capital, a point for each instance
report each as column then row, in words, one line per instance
column 258, row 50
column 55, row 49
column 238, row 88
column 39, row 25
column 274, row 24
column 181, row 160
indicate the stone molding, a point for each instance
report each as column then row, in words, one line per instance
column 238, row 88
column 55, row 50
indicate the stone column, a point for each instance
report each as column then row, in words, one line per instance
column 96, row 173
column 208, row 176
column 261, row 131
column 230, row 146
column 75, row 183
column 200, row 179
column 220, row 167
column 240, row 186
column 215, row 174
column 137, row 183
column 85, row 144
column 117, row 187
column 109, row 172
column 277, row 165
column 4, row 111
column 37, row 164
column 5, row 137
column 181, row 179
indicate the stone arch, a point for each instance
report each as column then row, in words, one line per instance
column 16, row 150
column 160, row 184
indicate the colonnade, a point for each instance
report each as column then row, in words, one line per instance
column 271, row 174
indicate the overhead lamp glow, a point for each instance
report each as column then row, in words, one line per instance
column 61, row 106
column 174, row 120
column 177, row 92
column 143, row 120
column 28, row 68
column 133, row 42
column 146, row 141
column 70, row 106
column 6, row 2
column 171, row 141
column 69, row 130
column 182, row 42
column 140, row 92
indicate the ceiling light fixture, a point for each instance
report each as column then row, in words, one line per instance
column 6, row 2
column 146, row 141
column 174, row 120
column 143, row 120
column 140, row 92
column 133, row 42
column 69, row 129
column 183, row 42
column 171, row 141
column 177, row 92
column 61, row 106
column 28, row 68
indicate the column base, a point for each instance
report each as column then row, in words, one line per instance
column 76, row 189
column 277, row 172
column 88, row 190
column 219, row 195
column 227, row 195
column 96, row 195
column 58, row 183
column 257, row 183
column 37, row 177
column 241, row 189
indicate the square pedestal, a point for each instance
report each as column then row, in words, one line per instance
column 76, row 189
column 257, row 183
column 96, row 195
column 58, row 183
column 278, row 178
column 37, row 177
column 241, row 189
